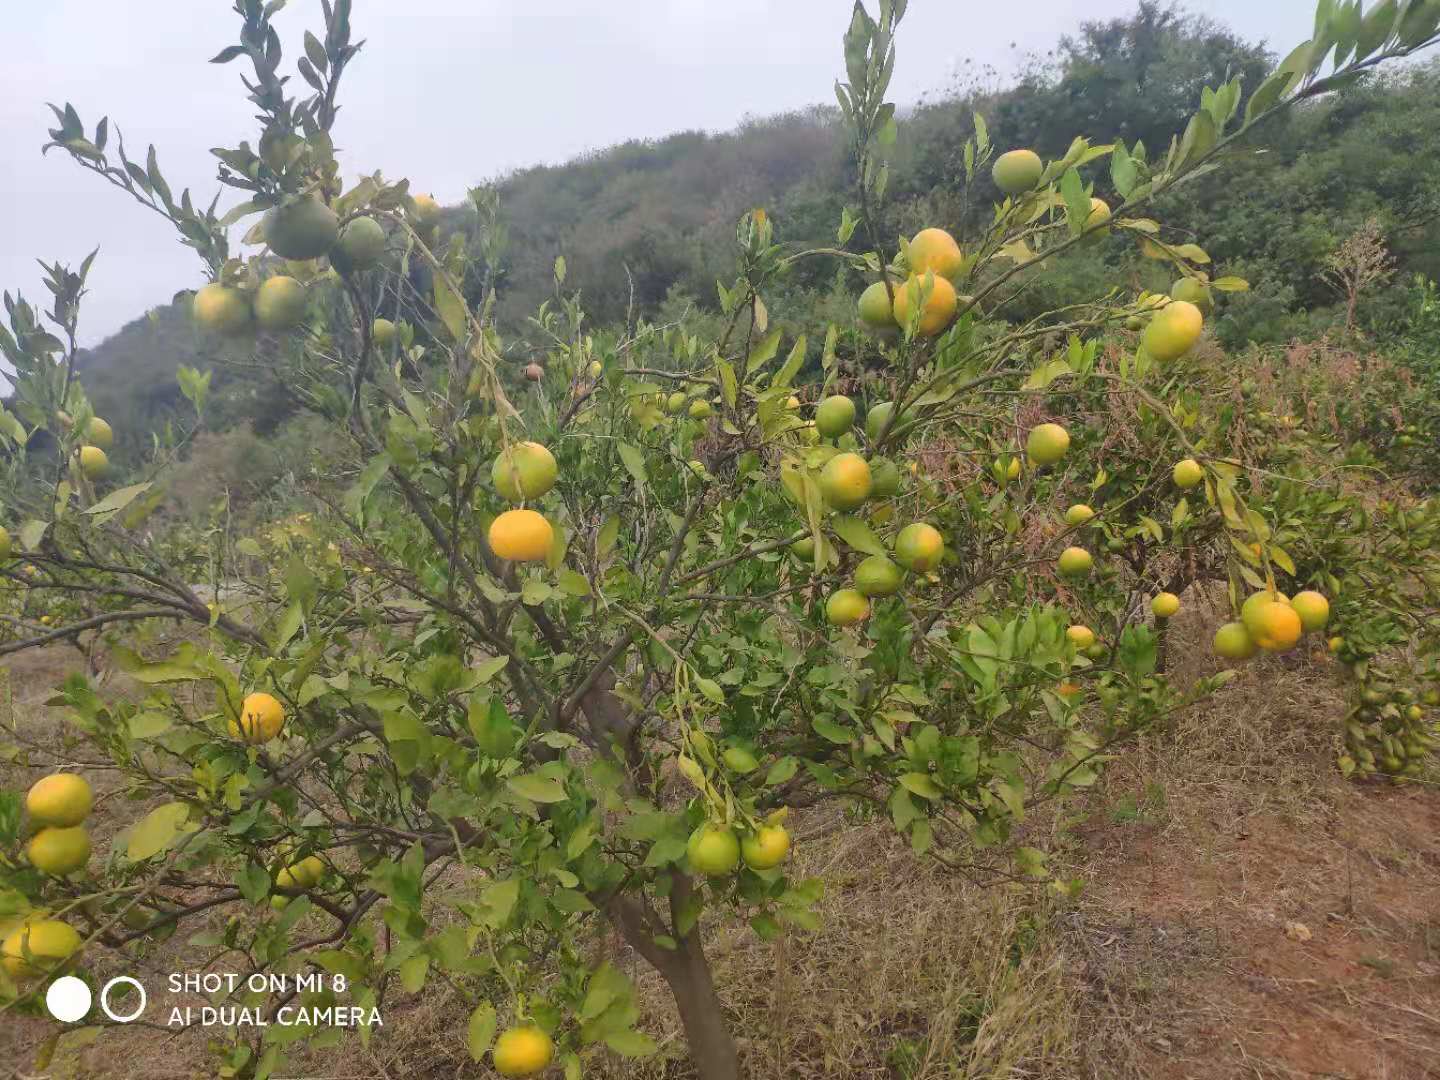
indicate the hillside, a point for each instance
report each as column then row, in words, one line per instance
column 648, row 220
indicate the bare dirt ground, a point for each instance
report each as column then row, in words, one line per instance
column 1247, row 914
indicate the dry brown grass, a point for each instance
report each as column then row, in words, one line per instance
column 1202, row 847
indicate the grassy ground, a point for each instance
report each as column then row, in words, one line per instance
column 1247, row 914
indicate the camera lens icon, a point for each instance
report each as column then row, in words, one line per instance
column 69, row 999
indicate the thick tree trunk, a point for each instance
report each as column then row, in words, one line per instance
column 711, row 1047
column 686, row 970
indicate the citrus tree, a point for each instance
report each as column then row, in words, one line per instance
column 584, row 613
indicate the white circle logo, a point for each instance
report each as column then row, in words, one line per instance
column 105, row 998
column 68, row 999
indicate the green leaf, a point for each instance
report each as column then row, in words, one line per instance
column 481, row 1030
column 147, row 725
column 31, row 533
column 781, row 771
column 829, row 730
column 855, row 532
column 289, row 624
column 573, row 583
column 634, row 462
column 450, row 306
column 630, row 1043
column 921, row 784
column 156, row 831
column 537, row 788
column 609, row 533
column 728, row 388
column 1077, row 203
column 792, row 363
column 369, row 476
column 711, row 689
column 486, row 670
column 118, row 500
column 413, row 971
column 253, row 882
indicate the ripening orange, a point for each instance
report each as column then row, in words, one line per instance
column 521, row 536
column 939, row 306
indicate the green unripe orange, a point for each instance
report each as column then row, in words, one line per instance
column 93, row 462
column 361, row 246
column 1192, row 291
column 303, row 229
column 98, row 433
column 1187, row 473
column 878, row 576
column 884, row 478
column 1075, row 562
column 846, row 607
column 1047, row 444
column 1017, row 171
column 874, row 306
column 1233, row 642
column 1174, row 330
column 700, row 409
column 713, row 850
column 382, row 332
column 835, row 416
column 280, row 303
column 526, row 471
column 1313, row 609
column 1099, row 216
column 877, row 418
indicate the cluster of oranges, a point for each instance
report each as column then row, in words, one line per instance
column 58, row 806
column 299, row 231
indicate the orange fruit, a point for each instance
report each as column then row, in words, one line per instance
column 846, row 607
column 525, row 471
column 874, row 306
column 261, row 718
column 1099, row 213
column 98, row 433
column 1313, row 609
column 1187, row 473
column 1174, row 330
column 845, row 481
column 279, row 303
column 93, row 462
column 361, row 246
column 221, row 309
column 59, row 799
column 1233, row 642
column 382, row 332
column 919, row 547
column 766, row 847
column 835, row 416
column 1165, row 605
column 46, row 941
column 713, row 850
column 1017, row 171
column 59, row 851
column 935, row 250
column 1075, row 562
column 523, row 1050
column 1275, row 627
column 303, row 229
column 1047, row 444
column 939, row 307
column 521, row 536
column 878, row 576
column 1082, row 637
column 1078, row 514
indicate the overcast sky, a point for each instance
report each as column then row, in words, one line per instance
column 446, row 92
